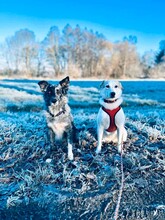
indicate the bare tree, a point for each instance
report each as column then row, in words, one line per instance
column 20, row 51
column 52, row 47
column 67, row 47
column 147, row 63
column 125, row 60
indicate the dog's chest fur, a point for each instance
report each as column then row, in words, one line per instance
column 58, row 128
column 59, row 123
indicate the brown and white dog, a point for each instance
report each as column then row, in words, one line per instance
column 111, row 118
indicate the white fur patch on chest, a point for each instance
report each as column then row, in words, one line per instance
column 58, row 128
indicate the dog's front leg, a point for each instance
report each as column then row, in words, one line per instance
column 70, row 152
column 120, row 138
column 70, row 146
column 100, row 131
column 51, row 138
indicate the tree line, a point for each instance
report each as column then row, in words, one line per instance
column 79, row 53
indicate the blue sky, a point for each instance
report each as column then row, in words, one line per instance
column 115, row 19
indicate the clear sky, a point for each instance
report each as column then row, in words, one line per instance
column 114, row 18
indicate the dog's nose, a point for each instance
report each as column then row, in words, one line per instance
column 54, row 100
column 112, row 94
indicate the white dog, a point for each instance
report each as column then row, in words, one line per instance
column 111, row 118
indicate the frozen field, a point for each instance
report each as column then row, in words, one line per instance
column 139, row 96
column 88, row 187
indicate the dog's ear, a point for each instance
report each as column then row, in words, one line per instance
column 65, row 84
column 121, row 87
column 43, row 85
column 102, row 84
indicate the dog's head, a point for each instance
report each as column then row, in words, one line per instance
column 110, row 90
column 53, row 93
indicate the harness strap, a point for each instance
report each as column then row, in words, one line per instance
column 112, row 127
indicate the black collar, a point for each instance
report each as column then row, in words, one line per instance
column 58, row 114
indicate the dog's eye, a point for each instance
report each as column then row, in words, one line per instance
column 57, row 91
column 107, row 86
column 116, row 86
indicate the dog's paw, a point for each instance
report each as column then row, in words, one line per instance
column 119, row 148
column 98, row 150
column 70, row 156
column 70, row 153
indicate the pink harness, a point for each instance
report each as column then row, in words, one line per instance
column 112, row 127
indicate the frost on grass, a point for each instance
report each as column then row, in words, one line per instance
column 88, row 187
column 90, row 182
column 18, row 100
